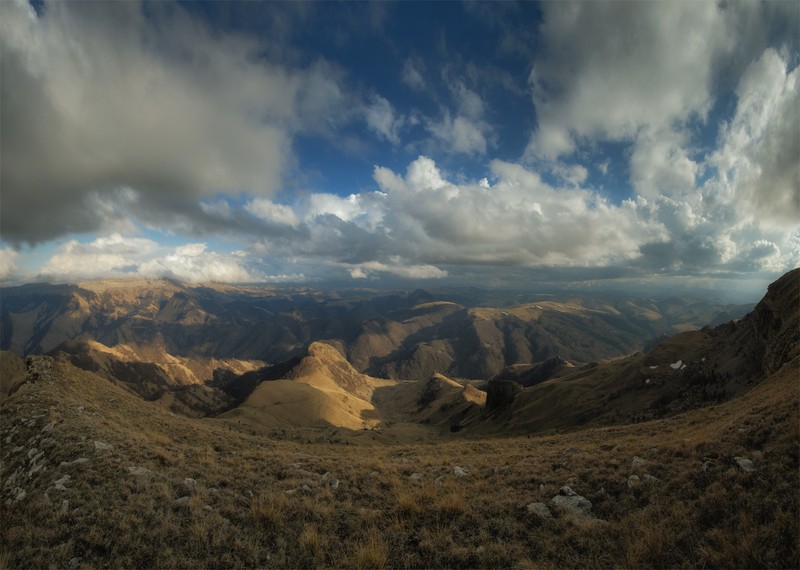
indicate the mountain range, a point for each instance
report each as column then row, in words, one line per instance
column 683, row 452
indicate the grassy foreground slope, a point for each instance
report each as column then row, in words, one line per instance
column 94, row 476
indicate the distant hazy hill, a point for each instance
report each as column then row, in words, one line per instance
column 390, row 334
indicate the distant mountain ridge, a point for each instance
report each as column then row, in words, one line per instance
column 390, row 334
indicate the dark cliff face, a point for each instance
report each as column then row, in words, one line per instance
column 500, row 394
column 776, row 321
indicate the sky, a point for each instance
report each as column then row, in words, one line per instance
column 608, row 144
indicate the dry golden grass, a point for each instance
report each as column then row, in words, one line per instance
column 294, row 499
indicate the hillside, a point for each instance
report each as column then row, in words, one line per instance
column 690, row 370
column 85, row 483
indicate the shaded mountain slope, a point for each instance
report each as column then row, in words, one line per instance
column 686, row 371
column 12, row 373
column 182, row 384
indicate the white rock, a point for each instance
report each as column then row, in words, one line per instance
column 333, row 484
column 745, row 464
column 676, row 365
column 189, row 482
column 638, row 461
column 102, row 446
column 180, row 502
column 460, row 471
column 634, row 482
column 139, row 471
column 415, row 476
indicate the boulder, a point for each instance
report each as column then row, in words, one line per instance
column 102, row 446
column 571, row 503
column 540, row 510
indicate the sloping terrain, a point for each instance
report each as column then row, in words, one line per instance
column 12, row 373
column 87, row 482
column 183, row 384
column 689, row 370
column 323, row 389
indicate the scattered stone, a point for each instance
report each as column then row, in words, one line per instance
column 305, row 489
column 460, row 471
column 32, row 452
column 439, row 480
column 180, row 502
column 81, row 409
column 49, row 426
column 540, row 510
column 17, row 449
column 213, row 490
column 74, row 563
column 676, row 365
column 60, row 485
column 415, row 476
column 745, row 464
column 708, row 464
column 102, row 446
column 374, row 474
column 638, row 461
column 139, row 471
column 650, row 479
column 333, row 484
column 189, row 482
column 297, row 465
column 634, row 482
column 208, row 508
column 572, row 503
column 65, row 507
column 479, row 549
column 77, row 461
column 21, row 495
